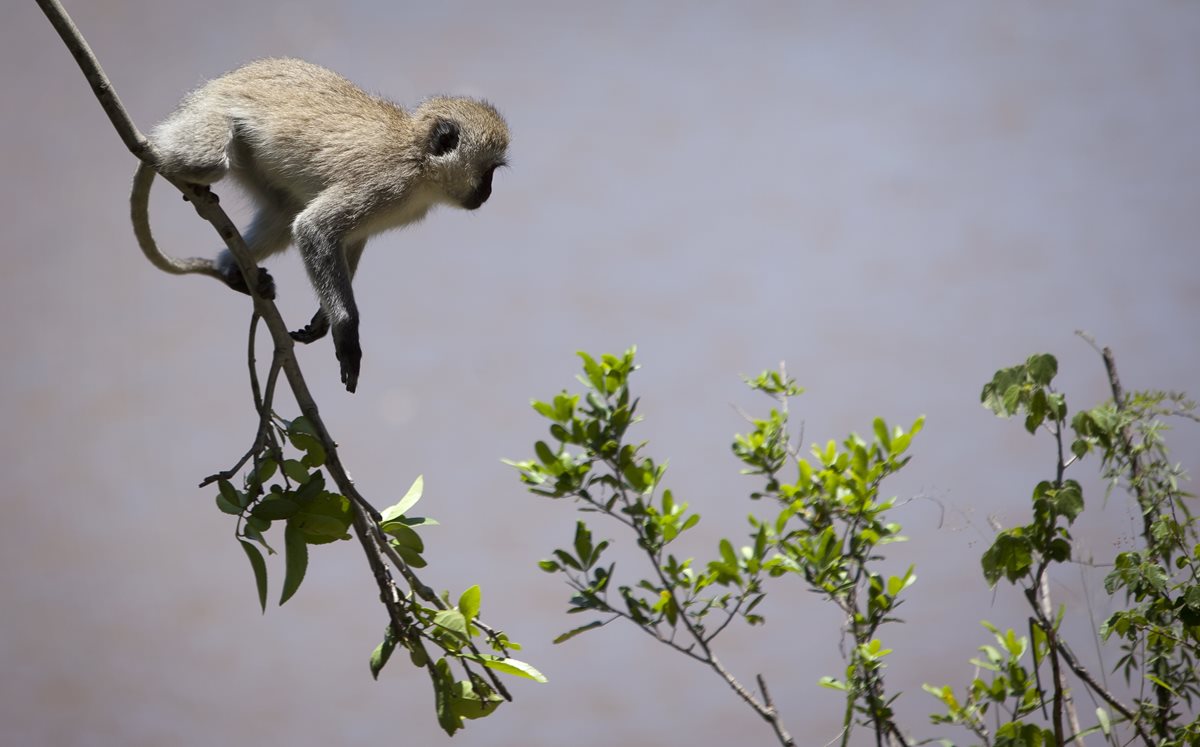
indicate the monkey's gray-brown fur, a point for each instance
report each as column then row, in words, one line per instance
column 328, row 165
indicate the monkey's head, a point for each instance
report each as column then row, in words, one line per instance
column 465, row 142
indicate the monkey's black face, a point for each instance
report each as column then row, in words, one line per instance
column 482, row 192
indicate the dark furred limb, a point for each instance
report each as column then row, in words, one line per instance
column 318, row 232
column 266, row 283
column 349, row 353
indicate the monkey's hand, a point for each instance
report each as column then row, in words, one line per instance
column 315, row 329
column 349, row 354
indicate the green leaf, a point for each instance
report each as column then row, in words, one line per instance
column 296, row 471
column 917, row 426
column 576, row 631
column 1079, row 447
column 408, row 501
column 543, row 409
column 544, row 454
column 382, row 652
column 266, row 470
column 881, row 433
column 1068, row 501
column 417, row 521
column 583, row 543
column 324, row 518
column 1161, row 684
column 509, row 666
column 314, row 451
column 296, row 554
column 1011, row 556
column 228, row 498
column 1037, row 410
column 405, row 536
column 468, row 603
column 275, row 507
column 260, row 571
column 443, row 683
column 226, row 506
column 464, row 701
column 897, row 583
column 595, row 377
column 408, row 555
column 258, row 525
column 418, row 656
column 452, row 621
column 1042, row 368
column 566, row 559
column 302, row 425
column 993, row 395
column 1105, row 724
column 727, row 553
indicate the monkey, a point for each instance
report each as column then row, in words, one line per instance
column 327, row 165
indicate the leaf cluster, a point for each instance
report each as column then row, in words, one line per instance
column 827, row 524
column 1158, row 627
column 292, row 490
column 288, row 490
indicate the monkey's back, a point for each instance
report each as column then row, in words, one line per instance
column 281, row 109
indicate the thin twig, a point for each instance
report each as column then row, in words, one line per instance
column 1062, row 695
column 263, row 402
column 730, row 614
column 1082, row 673
column 704, row 654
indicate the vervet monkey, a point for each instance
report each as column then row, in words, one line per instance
column 328, row 165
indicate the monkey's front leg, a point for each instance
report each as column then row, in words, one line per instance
column 348, row 351
column 319, row 325
column 320, row 247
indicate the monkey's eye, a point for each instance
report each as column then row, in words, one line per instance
column 444, row 138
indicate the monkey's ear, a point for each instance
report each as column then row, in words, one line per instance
column 443, row 138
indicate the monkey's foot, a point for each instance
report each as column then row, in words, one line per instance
column 265, row 287
column 314, row 330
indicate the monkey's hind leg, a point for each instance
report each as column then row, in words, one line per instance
column 193, row 143
column 269, row 233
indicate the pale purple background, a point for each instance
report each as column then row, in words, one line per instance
column 896, row 199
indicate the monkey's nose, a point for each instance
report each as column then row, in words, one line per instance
column 480, row 196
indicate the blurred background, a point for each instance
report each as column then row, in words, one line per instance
column 895, row 199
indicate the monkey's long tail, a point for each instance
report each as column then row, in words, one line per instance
column 139, row 204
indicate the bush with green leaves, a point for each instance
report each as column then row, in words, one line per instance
column 825, row 523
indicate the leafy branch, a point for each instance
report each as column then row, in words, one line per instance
column 828, row 526
column 677, row 605
column 1159, row 631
